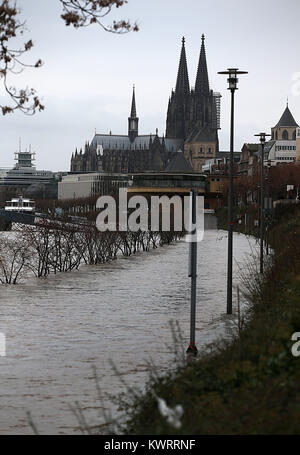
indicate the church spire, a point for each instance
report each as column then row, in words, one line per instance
column 182, row 83
column 133, row 121
column 202, row 84
column 133, row 106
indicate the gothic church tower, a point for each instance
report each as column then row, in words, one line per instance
column 179, row 103
column 193, row 114
column 133, row 121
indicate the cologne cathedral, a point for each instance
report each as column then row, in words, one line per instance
column 192, row 125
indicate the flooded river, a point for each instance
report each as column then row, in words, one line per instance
column 59, row 327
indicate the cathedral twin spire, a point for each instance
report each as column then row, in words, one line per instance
column 182, row 83
column 182, row 93
column 202, row 84
column 191, row 108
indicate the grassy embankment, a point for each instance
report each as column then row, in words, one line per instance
column 249, row 385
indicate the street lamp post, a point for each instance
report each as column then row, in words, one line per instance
column 192, row 349
column 262, row 137
column 232, row 81
column 269, row 207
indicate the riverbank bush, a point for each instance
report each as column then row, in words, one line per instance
column 251, row 384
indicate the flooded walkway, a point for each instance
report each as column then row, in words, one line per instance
column 58, row 328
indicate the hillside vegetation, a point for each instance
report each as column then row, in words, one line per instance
column 251, row 384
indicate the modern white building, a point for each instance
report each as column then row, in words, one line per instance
column 76, row 186
column 25, row 179
column 298, row 145
column 281, row 152
column 24, row 172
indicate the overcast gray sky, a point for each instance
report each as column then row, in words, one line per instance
column 86, row 81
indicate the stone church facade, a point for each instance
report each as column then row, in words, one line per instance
column 191, row 128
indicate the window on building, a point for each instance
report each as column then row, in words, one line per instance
column 294, row 135
column 285, row 135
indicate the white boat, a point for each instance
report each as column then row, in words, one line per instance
column 20, row 204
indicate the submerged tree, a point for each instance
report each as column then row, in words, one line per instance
column 14, row 258
column 78, row 13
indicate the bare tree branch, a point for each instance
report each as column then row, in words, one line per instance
column 81, row 13
column 11, row 28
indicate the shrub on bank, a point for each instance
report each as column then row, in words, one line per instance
column 248, row 385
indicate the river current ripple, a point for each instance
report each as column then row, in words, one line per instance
column 59, row 327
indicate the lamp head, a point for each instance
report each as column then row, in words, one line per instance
column 232, row 77
column 262, row 137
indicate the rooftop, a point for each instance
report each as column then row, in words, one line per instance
column 119, row 142
column 179, row 163
column 287, row 119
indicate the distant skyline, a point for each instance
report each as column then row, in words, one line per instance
column 87, row 77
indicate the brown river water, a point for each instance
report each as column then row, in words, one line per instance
column 59, row 327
